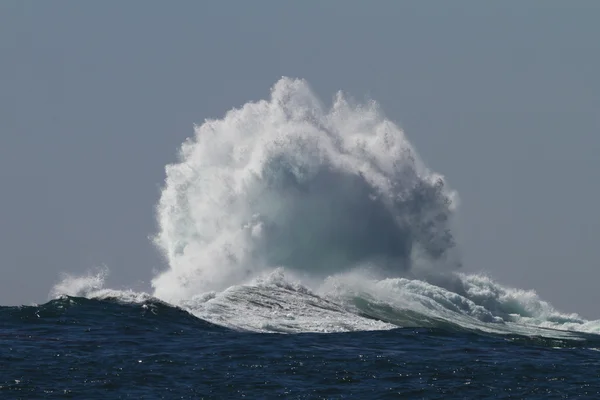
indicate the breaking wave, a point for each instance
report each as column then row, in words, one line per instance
column 290, row 216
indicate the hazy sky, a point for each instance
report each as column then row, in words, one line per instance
column 502, row 98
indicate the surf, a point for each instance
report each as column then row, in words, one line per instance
column 288, row 215
column 287, row 182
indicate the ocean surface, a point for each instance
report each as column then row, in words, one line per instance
column 309, row 253
column 98, row 349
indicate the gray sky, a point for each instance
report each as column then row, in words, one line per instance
column 502, row 98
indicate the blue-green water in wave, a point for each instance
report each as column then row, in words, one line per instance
column 82, row 348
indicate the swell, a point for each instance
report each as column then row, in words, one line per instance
column 76, row 320
column 95, row 315
column 343, row 303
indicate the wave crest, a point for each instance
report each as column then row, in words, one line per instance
column 286, row 182
column 286, row 216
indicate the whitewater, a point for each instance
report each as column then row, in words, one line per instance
column 288, row 215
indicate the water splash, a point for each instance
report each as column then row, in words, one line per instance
column 287, row 216
column 288, row 182
column 80, row 285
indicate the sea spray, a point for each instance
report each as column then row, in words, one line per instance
column 288, row 182
column 288, row 216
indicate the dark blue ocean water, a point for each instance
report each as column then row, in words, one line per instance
column 98, row 349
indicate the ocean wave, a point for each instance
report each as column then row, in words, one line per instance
column 289, row 216
column 289, row 183
column 354, row 301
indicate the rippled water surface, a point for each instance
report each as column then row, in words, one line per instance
column 80, row 348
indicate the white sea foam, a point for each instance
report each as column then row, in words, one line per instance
column 288, row 182
column 289, row 216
